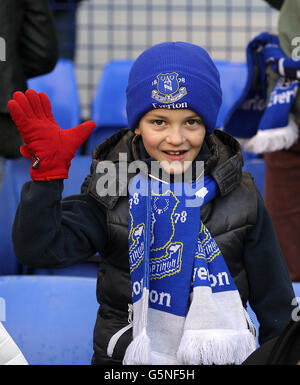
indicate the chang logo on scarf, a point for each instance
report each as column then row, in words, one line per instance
column 168, row 264
column 136, row 251
column 206, row 246
column 168, row 88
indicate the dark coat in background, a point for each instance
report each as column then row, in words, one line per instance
column 31, row 48
column 275, row 3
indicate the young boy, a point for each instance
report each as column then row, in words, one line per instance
column 180, row 274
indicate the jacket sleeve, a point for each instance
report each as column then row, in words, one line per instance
column 271, row 290
column 50, row 232
column 38, row 38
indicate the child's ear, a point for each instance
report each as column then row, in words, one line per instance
column 137, row 131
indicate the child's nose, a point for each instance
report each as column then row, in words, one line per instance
column 175, row 137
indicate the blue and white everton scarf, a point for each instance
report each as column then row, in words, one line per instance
column 186, row 307
column 259, row 124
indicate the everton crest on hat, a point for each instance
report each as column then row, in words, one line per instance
column 168, row 88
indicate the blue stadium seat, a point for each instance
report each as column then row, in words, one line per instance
column 61, row 87
column 233, row 76
column 109, row 103
column 296, row 286
column 80, row 168
column 8, row 206
column 17, row 173
column 51, row 319
column 256, row 167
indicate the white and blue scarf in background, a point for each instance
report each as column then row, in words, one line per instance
column 186, row 307
column 263, row 124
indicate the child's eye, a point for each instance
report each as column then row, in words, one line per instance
column 159, row 122
column 193, row 122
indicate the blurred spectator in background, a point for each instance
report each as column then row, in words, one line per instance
column 282, row 181
column 28, row 30
column 64, row 12
column 275, row 3
column 269, row 108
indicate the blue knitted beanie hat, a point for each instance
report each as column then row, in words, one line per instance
column 174, row 75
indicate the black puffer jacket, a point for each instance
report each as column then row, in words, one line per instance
column 73, row 229
column 231, row 218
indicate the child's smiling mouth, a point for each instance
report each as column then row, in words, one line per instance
column 175, row 155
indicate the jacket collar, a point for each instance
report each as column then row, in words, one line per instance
column 225, row 164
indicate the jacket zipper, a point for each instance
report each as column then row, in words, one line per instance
column 115, row 338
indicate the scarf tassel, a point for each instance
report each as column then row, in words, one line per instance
column 271, row 140
column 215, row 347
column 138, row 351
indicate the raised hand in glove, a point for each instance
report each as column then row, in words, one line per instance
column 50, row 147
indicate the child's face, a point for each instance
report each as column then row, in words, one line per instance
column 172, row 137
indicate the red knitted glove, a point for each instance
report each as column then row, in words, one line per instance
column 50, row 147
